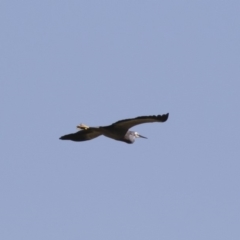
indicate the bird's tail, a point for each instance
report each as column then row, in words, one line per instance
column 82, row 126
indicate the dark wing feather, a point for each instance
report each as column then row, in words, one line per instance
column 128, row 123
column 82, row 135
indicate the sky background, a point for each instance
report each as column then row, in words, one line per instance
column 96, row 62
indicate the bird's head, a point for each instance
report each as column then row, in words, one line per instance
column 137, row 135
column 131, row 136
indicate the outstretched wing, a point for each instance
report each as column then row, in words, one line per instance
column 82, row 135
column 128, row 123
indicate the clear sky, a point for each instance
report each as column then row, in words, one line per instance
column 96, row 62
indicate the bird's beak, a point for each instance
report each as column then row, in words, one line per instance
column 141, row 136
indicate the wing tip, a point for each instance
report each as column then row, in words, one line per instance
column 65, row 137
column 162, row 118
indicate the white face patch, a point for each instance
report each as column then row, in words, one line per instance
column 136, row 134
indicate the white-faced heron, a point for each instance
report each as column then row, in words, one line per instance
column 118, row 130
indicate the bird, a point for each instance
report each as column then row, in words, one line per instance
column 118, row 131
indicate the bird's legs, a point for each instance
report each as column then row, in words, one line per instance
column 82, row 126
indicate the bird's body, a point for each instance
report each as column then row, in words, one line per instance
column 118, row 131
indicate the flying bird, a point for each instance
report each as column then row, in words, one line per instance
column 118, row 130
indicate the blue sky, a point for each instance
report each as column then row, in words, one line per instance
column 96, row 62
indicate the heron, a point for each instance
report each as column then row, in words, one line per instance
column 118, row 131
